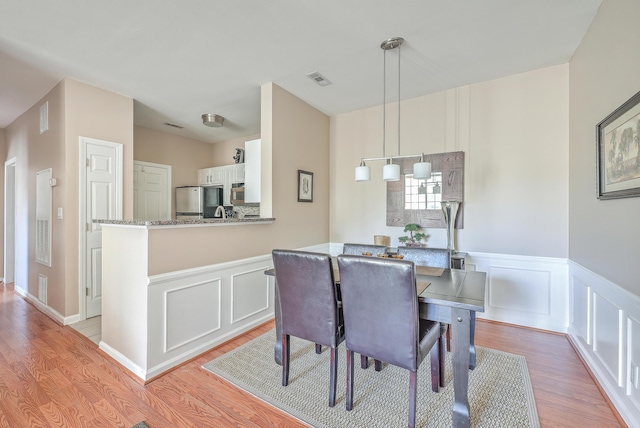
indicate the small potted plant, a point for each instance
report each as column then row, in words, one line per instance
column 415, row 235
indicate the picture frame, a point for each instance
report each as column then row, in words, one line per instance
column 305, row 186
column 618, row 152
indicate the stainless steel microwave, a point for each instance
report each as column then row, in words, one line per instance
column 237, row 195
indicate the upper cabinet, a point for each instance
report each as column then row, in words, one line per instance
column 225, row 176
column 252, row 155
column 211, row 176
column 235, row 173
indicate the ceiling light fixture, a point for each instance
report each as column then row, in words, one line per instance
column 391, row 171
column 213, row 120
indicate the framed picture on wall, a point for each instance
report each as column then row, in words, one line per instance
column 305, row 186
column 618, row 152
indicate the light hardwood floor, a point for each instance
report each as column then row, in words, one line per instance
column 52, row 376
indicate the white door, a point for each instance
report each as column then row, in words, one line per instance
column 151, row 191
column 102, row 200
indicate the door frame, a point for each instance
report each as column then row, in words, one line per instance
column 9, row 220
column 82, row 215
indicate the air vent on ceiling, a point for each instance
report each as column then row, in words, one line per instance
column 174, row 125
column 318, row 78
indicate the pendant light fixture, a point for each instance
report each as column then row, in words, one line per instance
column 391, row 171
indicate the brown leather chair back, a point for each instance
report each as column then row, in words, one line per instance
column 308, row 297
column 358, row 249
column 425, row 256
column 380, row 307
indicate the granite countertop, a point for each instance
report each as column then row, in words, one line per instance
column 206, row 221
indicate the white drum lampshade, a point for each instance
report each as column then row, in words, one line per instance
column 422, row 170
column 363, row 173
column 391, row 172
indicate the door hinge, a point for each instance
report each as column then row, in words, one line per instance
column 86, row 291
column 88, row 162
column 88, row 227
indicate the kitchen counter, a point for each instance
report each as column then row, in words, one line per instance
column 202, row 222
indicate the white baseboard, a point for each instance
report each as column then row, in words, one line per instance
column 49, row 311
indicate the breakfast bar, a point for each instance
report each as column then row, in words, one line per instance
column 174, row 289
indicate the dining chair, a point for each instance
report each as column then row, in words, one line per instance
column 309, row 306
column 432, row 257
column 381, row 319
column 358, row 249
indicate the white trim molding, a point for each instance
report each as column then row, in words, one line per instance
column 605, row 329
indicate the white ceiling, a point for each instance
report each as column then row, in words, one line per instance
column 180, row 59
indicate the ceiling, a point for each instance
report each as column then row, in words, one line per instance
column 178, row 60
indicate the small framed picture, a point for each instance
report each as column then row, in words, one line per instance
column 618, row 147
column 305, row 186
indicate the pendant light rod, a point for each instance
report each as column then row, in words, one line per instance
column 399, row 48
column 384, row 101
column 387, row 45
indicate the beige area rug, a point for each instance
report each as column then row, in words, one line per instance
column 500, row 392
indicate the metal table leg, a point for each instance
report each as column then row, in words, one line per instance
column 461, row 326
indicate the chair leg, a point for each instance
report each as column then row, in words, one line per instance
column 285, row 359
column 364, row 361
column 333, row 376
column 350, row 367
column 413, row 376
column 436, row 373
column 378, row 365
column 318, row 348
column 448, row 333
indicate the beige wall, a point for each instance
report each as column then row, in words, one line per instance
column 34, row 152
column 299, row 135
column 75, row 109
column 224, row 152
column 604, row 235
column 514, row 133
column 185, row 155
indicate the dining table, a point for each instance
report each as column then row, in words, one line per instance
column 448, row 296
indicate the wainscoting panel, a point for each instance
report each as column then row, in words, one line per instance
column 519, row 289
column 581, row 310
column 610, row 341
column 249, row 294
column 192, row 312
column 606, row 335
column 632, row 382
column 528, row 291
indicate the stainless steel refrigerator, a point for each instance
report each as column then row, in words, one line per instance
column 189, row 203
column 197, row 202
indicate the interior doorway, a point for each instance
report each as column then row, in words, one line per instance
column 9, row 220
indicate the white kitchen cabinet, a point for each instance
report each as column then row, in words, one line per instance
column 252, row 158
column 211, row 176
column 233, row 174
column 224, row 176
